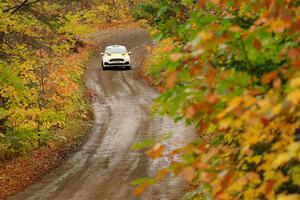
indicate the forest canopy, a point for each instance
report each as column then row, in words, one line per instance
column 41, row 88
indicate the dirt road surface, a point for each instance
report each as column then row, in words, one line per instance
column 105, row 166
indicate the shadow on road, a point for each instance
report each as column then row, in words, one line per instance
column 116, row 69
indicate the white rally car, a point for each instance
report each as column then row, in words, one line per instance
column 116, row 56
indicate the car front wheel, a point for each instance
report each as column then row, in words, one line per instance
column 104, row 68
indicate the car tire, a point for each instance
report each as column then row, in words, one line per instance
column 128, row 67
column 104, row 68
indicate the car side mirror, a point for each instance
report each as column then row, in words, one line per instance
column 129, row 53
column 102, row 53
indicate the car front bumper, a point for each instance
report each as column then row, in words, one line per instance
column 116, row 64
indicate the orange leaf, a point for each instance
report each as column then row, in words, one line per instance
column 242, row 181
column 256, row 44
column 293, row 53
column 200, row 165
column 171, row 79
column 161, row 174
column 252, row 176
column 212, row 98
column 265, row 120
column 235, row 29
column 207, row 177
column 267, row 78
column 217, row 2
column 269, row 186
column 140, row 189
column 277, row 83
column 202, row 3
column 188, row 173
column 286, row 15
column 175, row 57
column 196, row 70
column 212, row 152
column 190, row 112
column 227, row 179
column 156, row 151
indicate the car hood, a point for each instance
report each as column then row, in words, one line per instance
column 126, row 56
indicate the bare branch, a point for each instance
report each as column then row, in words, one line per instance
column 14, row 9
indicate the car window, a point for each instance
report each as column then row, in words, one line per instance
column 113, row 50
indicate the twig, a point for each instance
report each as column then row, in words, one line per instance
column 18, row 7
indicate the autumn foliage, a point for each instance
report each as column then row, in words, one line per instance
column 234, row 74
column 42, row 57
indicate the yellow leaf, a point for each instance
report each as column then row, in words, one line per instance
column 235, row 29
column 277, row 109
column 281, row 159
column 206, row 35
column 239, row 183
column 288, row 197
column 294, row 97
column 295, row 82
column 225, row 123
column 235, row 102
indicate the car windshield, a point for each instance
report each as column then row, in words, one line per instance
column 113, row 50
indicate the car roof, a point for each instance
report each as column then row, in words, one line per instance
column 115, row 46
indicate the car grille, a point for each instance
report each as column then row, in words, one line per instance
column 116, row 64
column 117, row 60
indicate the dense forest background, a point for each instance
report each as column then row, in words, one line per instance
column 231, row 69
column 41, row 67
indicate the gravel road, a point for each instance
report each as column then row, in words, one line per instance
column 105, row 166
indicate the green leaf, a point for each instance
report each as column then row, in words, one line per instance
column 143, row 144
